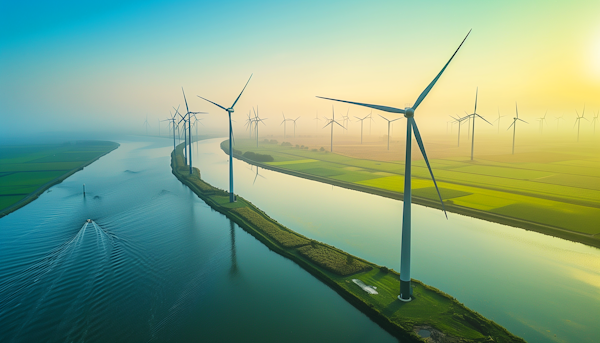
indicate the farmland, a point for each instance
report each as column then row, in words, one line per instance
column 555, row 192
column 27, row 170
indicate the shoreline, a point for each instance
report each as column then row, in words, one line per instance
column 450, row 321
column 35, row 194
column 548, row 230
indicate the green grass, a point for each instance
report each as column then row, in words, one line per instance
column 551, row 189
column 25, row 169
column 337, row 268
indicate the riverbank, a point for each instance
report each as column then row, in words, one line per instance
column 445, row 318
column 382, row 179
column 9, row 169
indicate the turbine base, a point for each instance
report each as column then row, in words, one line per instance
column 404, row 300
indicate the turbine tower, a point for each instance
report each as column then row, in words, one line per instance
column 331, row 122
column 542, row 120
column 361, row 126
column 284, row 124
column 578, row 121
column 146, row 124
column 475, row 115
column 229, row 112
column 514, row 126
column 558, row 119
column 294, row 120
column 389, row 122
column 460, row 121
column 172, row 122
column 257, row 119
column 498, row 119
column 409, row 112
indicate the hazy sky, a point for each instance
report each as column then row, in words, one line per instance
column 107, row 64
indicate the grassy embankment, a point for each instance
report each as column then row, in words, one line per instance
column 26, row 171
column 557, row 195
column 431, row 309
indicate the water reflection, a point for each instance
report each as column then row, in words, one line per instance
column 234, row 269
column 510, row 275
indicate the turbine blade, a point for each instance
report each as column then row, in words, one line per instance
column 395, row 120
column 426, row 91
column 523, row 121
column 411, row 121
column 340, row 125
column 186, row 105
column 238, row 98
column 214, row 103
column 484, row 119
column 514, row 121
column 383, row 117
column 377, row 107
column 326, row 125
column 476, row 93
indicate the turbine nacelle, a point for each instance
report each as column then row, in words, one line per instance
column 230, row 110
column 409, row 112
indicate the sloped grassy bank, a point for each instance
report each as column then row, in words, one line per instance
column 432, row 310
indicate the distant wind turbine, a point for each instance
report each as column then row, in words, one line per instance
column 257, row 120
column 498, row 119
column 514, row 126
column 294, row 120
column 474, row 115
column 172, row 122
column 146, row 123
column 558, row 119
column 229, row 111
column 459, row 121
column 542, row 120
column 189, row 124
column 331, row 122
column 389, row 122
column 594, row 120
column 249, row 123
column 578, row 121
column 317, row 122
column 284, row 122
column 361, row 126
column 409, row 112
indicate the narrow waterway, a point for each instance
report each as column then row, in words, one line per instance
column 541, row 288
column 155, row 263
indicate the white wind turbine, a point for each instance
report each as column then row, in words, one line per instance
column 409, row 112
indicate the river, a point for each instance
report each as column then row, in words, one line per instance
column 541, row 288
column 154, row 264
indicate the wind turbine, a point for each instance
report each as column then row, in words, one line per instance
column 542, row 120
column 459, row 120
column 229, row 111
column 257, row 120
column 184, row 120
column 317, row 122
column 514, row 125
column 409, row 112
column 249, row 123
column 475, row 115
column 594, row 120
column 558, row 119
column 498, row 119
column 361, row 125
column 146, row 123
column 331, row 122
column 389, row 123
column 294, row 120
column 172, row 121
column 578, row 121
column 189, row 122
column 284, row 124
column 345, row 119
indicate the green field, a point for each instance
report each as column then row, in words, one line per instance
column 557, row 190
column 27, row 169
column 430, row 308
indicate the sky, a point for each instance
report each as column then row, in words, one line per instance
column 107, row 65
